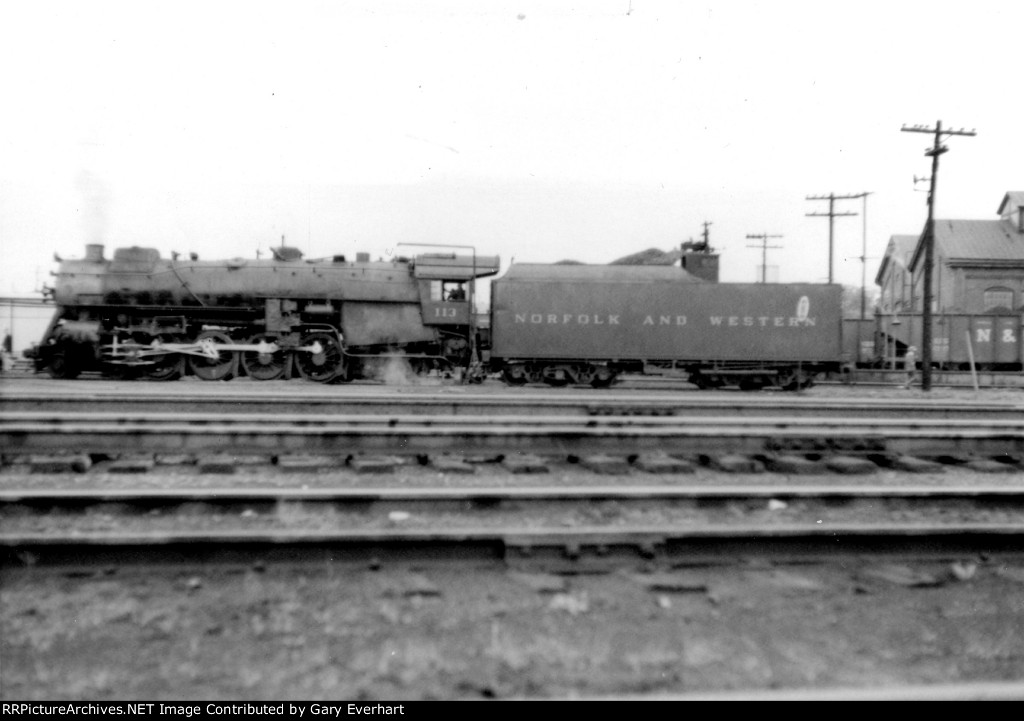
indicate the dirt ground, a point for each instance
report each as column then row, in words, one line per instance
column 443, row 632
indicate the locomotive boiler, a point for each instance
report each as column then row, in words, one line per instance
column 323, row 319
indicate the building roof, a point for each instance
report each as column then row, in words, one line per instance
column 651, row 256
column 978, row 243
column 1011, row 201
column 976, row 240
column 899, row 251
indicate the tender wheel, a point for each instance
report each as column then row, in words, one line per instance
column 534, row 374
column 320, row 358
column 555, row 375
column 166, row 367
column 796, row 381
column 513, row 376
column 584, row 374
column 219, row 368
column 705, row 382
column 603, row 377
column 268, row 366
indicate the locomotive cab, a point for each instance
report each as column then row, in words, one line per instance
column 447, row 287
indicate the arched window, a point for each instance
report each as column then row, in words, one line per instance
column 998, row 298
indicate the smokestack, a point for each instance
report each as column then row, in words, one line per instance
column 1020, row 218
column 94, row 253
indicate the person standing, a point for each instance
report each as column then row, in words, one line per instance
column 910, row 365
column 7, row 359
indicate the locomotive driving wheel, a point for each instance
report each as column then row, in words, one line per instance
column 166, row 366
column 265, row 364
column 63, row 364
column 320, row 357
column 214, row 365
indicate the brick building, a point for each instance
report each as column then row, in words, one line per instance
column 978, row 270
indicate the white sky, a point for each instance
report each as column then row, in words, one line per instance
column 535, row 129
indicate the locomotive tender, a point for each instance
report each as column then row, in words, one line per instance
column 588, row 323
column 332, row 319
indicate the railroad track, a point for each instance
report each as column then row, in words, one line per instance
column 861, row 378
column 565, row 529
column 195, row 545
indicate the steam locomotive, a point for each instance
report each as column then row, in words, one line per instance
column 333, row 319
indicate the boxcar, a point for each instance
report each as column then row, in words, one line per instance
column 993, row 340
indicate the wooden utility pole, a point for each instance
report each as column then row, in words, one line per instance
column 764, row 252
column 934, row 152
column 831, row 214
column 863, row 272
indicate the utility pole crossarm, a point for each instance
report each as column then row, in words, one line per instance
column 831, row 215
column 763, row 237
column 937, row 129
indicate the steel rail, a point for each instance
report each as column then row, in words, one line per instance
column 577, row 547
column 26, row 433
column 400, row 401
column 342, row 421
column 63, row 498
column 591, row 535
